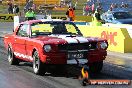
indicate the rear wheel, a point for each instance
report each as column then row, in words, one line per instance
column 96, row 67
column 11, row 58
column 38, row 66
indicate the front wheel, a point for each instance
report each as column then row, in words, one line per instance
column 11, row 58
column 96, row 67
column 38, row 66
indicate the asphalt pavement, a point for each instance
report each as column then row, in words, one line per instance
column 6, row 28
column 120, row 55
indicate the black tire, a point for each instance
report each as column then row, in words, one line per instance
column 11, row 58
column 38, row 66
column 84, row 83
column 96, row 67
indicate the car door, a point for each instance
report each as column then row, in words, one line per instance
column 20, row 41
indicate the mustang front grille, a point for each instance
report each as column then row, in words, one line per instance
column 93, row 45
column 79, row 46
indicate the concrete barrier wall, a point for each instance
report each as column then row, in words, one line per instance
column 118, row 38
column 78, row 18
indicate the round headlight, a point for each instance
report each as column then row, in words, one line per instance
column 47, row 48
column 103, row 45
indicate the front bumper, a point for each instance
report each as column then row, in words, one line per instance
column 62, row 58
column 96, row 56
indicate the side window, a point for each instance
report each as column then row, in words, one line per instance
column 23, row 30
column 109, row 16
column 41, row 28
column 70, row 28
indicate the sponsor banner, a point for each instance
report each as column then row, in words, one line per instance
column 63, row 17
column 119, row 39
column 10, row 17
column 7, row 17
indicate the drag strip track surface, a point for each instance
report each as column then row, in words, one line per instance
column 22, row 76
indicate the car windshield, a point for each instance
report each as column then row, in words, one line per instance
column 48, row 28
column 122, row 15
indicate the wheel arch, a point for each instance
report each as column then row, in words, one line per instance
column 10, row 45
column 41, row 57
column 33, row 51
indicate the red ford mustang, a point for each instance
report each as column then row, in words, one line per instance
column 54, row 43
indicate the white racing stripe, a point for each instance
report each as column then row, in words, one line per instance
column 68, row 39
column 71, row 40
column 81, row 39
column 23, row 56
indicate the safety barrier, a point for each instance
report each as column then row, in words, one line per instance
column 77, row 18
column 7, row 17
column 84, row 18
column 119, row 39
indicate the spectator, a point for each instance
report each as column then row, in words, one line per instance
column 76, row 3
column 0, row 1
column 34, row 7
column 69, row 3
column 27, row 1
column 126, row 5
column 10, row 7
column 30, row 14
column 86, row 10
column 93, row 8
column 70, row 13
column 16, row 9
column 99, row 8
column 115, row 5
column 62, row 3
column 97, row 15
column 112, row 6
column 122, row 5
column 96, row 21
column 28, row 5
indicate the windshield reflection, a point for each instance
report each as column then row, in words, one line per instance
column 47, row 28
